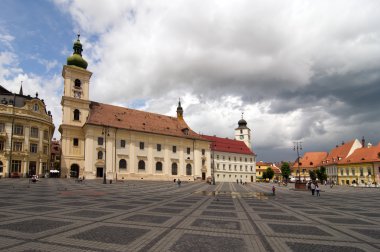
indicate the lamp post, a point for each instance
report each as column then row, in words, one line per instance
column 105, row 132
column 297, row 147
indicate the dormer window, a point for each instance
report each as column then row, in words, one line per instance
column 185, row 131
column 36, row 107
column 77, row 83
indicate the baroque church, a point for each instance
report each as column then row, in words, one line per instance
column 116, row 143
column 105, row 141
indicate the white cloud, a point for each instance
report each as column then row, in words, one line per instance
column 287, row 65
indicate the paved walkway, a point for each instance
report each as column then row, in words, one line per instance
column 61, row 215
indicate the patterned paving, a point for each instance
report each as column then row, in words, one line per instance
column 61, row 215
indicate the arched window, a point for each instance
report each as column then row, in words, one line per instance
column 174, row 169
column 122, row 164
column 100, row 155
column 158, row 166
column 188, row 169
column 77, row 83
column 76, row 114
column 141, row 165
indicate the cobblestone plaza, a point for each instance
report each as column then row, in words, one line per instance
column 63, row 215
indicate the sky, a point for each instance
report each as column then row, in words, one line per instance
column 299, row 70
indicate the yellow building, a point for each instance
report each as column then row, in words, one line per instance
column 310, row 161
column 337, row 154
column 105, row 141
column 361, row 167
column 26, row 129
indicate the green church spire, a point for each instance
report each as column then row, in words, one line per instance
column 76, row 59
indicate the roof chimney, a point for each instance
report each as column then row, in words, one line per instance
column 363, row 142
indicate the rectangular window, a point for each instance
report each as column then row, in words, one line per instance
column 235, row 167
column 188, row 151
column 246, row 160
column 341, row 172
column 203, row 152
column 223, row 157
column 2, row 127
column 16, row 166
column 46, row 135
column 369, row 171
column 158, row 147
column 100, row 140
column 224, row 167
column 122, row 143
column 34, row 132
column 18, row 130
column 251, row 168
column 45, row 150
column 1, row 145
column 141, row 145
column 217, row 156
column 353, row 171
column 174, row 149
column 76, row 142
column 33, row 148
column 17, row 146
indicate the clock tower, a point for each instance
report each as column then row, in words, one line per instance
column 75, row 110
column 243, row 133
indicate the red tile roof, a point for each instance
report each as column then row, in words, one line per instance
column 131, row 119
column 311, row 159
column 363, row 155
column 228, row 145
column 339, row 152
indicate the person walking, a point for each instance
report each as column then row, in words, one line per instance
column 318, row 189
column 312, row 187
column 273, row 190
column 179, row 182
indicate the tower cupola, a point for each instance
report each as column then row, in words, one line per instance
column 179, row 110
column 76, row 59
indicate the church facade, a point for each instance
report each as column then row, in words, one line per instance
column 110, row 142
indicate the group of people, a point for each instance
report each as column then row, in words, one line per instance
column 314, row 187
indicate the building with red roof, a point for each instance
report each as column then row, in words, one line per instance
column 233, row 159
column 362, row 167
column 308, row 162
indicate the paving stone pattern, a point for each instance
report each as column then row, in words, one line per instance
column 61, row 215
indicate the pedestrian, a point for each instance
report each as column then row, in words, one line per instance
column 241, row 181
column 312, row 187
column 318, row 189
column 179, row 182
column 273, row 190
column 237, row 181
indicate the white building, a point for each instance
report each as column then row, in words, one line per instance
column 105, row 141
column 233, row 159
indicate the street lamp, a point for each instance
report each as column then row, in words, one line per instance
column 105, row 132
column 297, row 147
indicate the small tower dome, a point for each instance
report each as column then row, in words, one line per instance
column 179, row 110
column 76, row 59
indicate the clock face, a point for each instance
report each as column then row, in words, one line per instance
column 241, row 136
column 77, row 94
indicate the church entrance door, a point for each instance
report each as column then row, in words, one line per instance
column 99, row 172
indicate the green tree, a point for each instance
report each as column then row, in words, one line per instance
column 265, row 175
column 321, row 174
column 313, row 175
column 270, row 173
column 285, row 170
